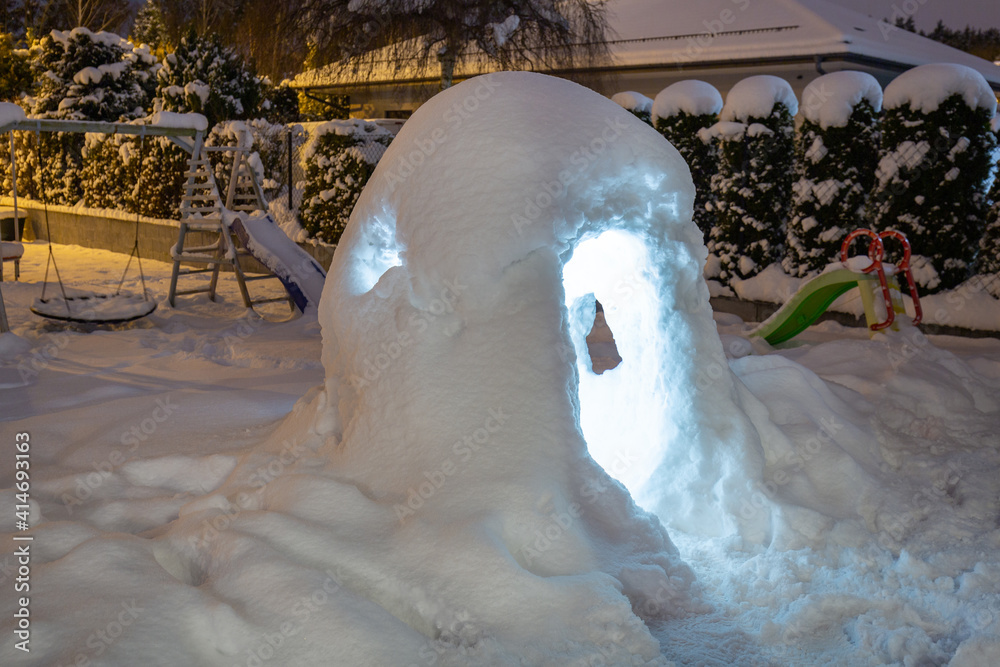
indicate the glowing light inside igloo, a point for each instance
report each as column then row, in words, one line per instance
column 624, row 412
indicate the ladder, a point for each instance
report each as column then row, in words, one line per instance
column 202, row 211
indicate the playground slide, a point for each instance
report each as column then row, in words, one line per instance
column 811, row 301
column 301, row 275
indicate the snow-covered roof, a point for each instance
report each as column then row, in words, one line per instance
column 679, row 34
column 657, row 34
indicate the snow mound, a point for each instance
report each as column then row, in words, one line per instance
column 756, row 97
column 924, row 88
column 445, row 454
column 10, row 113
column 693, row 97
column 187, row 121
column 829, row 100
column 726, row 130
column 633, row 101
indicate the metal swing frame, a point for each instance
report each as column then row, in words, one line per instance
column 185, row 137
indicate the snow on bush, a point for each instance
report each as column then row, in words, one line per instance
column 280, row 103
column 680, row 112
column 268, row 157
column 79, row 75
column 340, row 159
column 834, row 167
column 753, row 186
column 988, row 261
column 142, row 175
column 206, row 77
column 989, row 246
column 637, row 103
column 935, row 160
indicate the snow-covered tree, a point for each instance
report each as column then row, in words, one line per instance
column 84, row 75
column 26, row 20
column 205, row 77
column 638, row 104
column 509, row 34
column 936, row 157
column 989, row 246
column 280, row 104
column 988, row 262
column 78, row 75
column 148, row 27
column 97, row 15
column 753, row 186
column 680, row 112
column 15, row 70
column 834, row 167
column 339, row 161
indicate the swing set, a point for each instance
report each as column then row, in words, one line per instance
column 86, row 306
column 201, row 210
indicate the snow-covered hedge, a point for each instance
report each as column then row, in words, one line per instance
column 935, row 161
column 339, row 161
column 640, row 105
column 753, row 185
column 834, row 167
column 679, row 113
column 205, row 77
column 134, row 174
column 269, row 158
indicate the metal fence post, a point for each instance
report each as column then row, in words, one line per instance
column 290, row 177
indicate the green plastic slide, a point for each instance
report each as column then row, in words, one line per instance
column 808, row 304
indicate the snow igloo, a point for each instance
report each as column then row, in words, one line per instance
column 466, row 282
column 460, row 398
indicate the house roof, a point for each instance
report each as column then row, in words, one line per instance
column 679, row 34
column 675, row 34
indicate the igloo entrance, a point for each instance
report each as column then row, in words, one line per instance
column 623, row 413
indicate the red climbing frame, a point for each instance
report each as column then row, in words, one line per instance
column 876, row 253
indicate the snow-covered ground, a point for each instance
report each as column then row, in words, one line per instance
column 413, row 475
column 129, row 427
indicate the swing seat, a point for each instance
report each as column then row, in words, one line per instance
column 12, row 250
column 94, row 308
